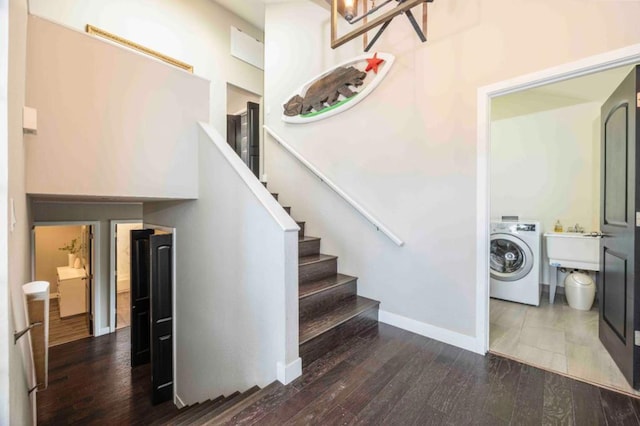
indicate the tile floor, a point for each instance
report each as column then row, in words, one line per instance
column 554, row 337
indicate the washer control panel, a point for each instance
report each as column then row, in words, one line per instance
column 513, row 227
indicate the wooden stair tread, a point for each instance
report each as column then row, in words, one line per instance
column 342, row 312
column 314, row 258
column 229, row 402
column 308, row 238
column 197, row 410
column 228, row 413
column 318, row 286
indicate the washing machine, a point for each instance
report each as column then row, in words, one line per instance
column 515, row 261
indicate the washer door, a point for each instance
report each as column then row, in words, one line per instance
column 510, row 258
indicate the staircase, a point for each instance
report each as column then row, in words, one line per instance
column 213, row 410
column 330, row 312
column 329, row 306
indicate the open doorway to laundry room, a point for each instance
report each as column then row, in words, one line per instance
column 121, row 271
column 548, row 172
column 243, row 126
column 64, row 255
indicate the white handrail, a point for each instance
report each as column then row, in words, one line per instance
column 379, row 226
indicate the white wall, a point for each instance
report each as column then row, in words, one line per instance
column 194, row 31
column 408, row 151
column 545, row 166
column 236, row 290
column 6, row 319
column 85, row 212
column 47, row 254
column 123, row 255
column 111, row 122
column 20, row 366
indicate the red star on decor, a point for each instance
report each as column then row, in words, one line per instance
column 374, row 63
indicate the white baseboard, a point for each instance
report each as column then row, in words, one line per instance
column 102, row 331
column 178, row 402
column 460, row 340
column 288, row 373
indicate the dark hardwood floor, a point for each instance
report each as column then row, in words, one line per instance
column 91, row 382
column 65, row 330
column 382, row 376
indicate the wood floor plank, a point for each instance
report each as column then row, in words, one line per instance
column 529, row 401
column 306, row 396
column 383, row 376
column 502, row 392
column 471, row 399
column 65, row 330
column 456, row 380
column 360, row 397
column 339, row 417
column 558, row 400
column 587, row 405
column 321, row 403
column 376, row 410
column 330, row 360
column 412, row 407
column 618, row 408
column 260, row 408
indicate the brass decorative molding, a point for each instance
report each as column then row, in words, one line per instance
column 135, row 46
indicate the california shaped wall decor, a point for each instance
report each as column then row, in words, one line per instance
column 337, row 89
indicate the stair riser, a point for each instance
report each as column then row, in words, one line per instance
column 316, row 348
column 325, row 300
column 301, row 231
column 306, row 248
column 317, row 270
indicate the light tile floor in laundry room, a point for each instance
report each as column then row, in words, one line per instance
column 554, row 337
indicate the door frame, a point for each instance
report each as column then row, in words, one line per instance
column 629, row 55
column 176, row 401
column 112, row 269
column 95, row 259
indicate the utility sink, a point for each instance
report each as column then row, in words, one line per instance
column 573, row 250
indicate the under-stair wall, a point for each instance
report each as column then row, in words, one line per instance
column 236, row 306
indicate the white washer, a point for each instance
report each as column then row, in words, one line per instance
column 515, row 261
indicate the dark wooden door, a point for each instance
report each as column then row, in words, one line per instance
column 234, row 132
column 618, row 222
column 161, row 317
column 253, row 137
column 140, row 297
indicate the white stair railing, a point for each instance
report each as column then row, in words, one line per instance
column 374, row 221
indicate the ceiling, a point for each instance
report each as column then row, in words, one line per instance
column 253, row 10
column 589, row 88
column 250, row 10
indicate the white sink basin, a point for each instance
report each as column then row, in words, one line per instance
column 573, row 250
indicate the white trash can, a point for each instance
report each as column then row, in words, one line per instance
column 580, row 291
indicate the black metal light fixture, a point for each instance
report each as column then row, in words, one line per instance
column 349, row 9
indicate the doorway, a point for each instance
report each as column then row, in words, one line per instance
column 121, row 272
column 550, row 335
column 64, row 255
column 243, row 126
